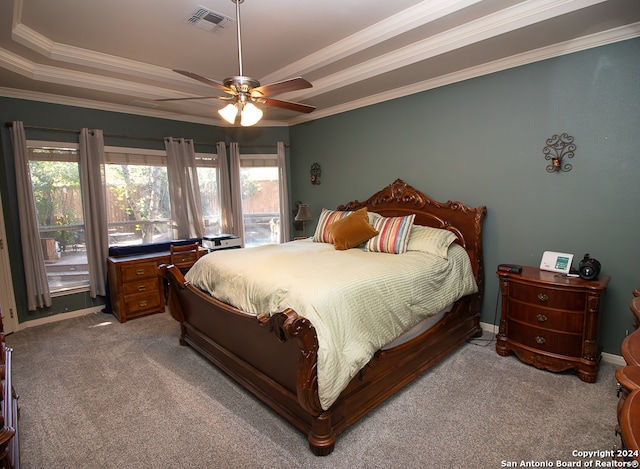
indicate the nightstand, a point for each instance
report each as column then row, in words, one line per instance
column 135, row 288
column 550, row 321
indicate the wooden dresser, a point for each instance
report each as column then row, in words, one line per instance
column 551, row 322
column 134, row 285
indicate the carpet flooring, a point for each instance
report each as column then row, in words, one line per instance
column 95, row 393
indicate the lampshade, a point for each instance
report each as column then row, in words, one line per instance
column 229, row 113
column 304, row 213
column 250, row 114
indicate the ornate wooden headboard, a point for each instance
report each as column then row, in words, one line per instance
column 400, row 199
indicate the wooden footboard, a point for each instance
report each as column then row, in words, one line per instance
column 275, row 358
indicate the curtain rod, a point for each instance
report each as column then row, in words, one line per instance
column 135, row 137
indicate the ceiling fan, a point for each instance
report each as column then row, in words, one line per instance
column 244, row 91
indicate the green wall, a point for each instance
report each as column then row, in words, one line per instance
column 151, row 131
column 480, row 142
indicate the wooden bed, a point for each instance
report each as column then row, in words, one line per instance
column 275, row 357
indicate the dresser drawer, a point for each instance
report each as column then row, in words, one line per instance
column 140, row 286
column 545, row 340
column 548, row 297
column 142, row 302
column 139, row 270
column 563, row 321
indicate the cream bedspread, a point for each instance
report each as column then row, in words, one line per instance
column 357, row 301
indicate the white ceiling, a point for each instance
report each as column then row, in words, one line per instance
column 119, row 54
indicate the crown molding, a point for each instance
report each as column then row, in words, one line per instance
column 620, row 34
column 510, row 19
column 85, row 57
column 121, row 108
column 411, row 18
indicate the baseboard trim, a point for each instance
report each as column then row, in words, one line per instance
column 59, row 317
column 606, row 357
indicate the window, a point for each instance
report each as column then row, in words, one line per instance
column 58, row 199
column 259, row 179
column 138, row 195
column 138, row 209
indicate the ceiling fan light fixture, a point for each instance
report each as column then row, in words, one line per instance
column 250, row 115
column 229, row 113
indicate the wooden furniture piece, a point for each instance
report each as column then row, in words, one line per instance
column 628, row 378
column 9, row 442
column 550, row 321
column 630, row 427
column 630, row 349
column 134, row 285
column 635, row 309
column 275, row 357
column 631, row 344
column 183, row 257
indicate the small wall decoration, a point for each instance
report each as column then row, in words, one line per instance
column 559, row 147
column 315, row 174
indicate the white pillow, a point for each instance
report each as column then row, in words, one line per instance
column 431, row 240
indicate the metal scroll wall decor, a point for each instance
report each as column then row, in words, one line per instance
column 559, row 147
column 315, row 174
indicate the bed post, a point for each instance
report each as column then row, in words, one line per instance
column 321, row 436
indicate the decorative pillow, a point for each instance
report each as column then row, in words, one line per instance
column 431, row 240
column 393, row 234
column 373, row 216
column 348, row 232
column 326, row 218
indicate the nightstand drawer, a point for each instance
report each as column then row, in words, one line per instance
column 563, row 321
column 142, row 286
column 142, row 302
column 139, row 270
column 547, row 297
column 545, row 340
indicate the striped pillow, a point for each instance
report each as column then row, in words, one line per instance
column 393, row 234
column 327, row 217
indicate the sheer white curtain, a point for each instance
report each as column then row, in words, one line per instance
column 226, row 215
column 37, row 286
column 184, row 189
column 236, row 190
column 285, row 229
column 94, row 206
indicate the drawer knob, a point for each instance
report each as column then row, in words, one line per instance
column 142, row 304
column 140, row 272
column 142, row 287
column 543, row 296
column 540, row 340
column 542, row 318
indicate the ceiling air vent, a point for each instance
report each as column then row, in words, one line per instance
column 208, row 20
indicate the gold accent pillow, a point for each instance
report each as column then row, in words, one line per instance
column 352, row 230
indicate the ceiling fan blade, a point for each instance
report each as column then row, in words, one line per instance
column 223, row 98
column 292, row 84
column 279, row 103
column 206, row 81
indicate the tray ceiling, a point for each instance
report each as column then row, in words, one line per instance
column 118, row 55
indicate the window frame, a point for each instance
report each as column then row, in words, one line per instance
column 65, row 146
